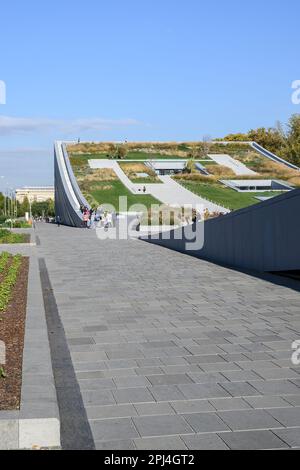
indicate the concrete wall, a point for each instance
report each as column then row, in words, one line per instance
column 264, row 237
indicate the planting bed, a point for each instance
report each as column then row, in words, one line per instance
column 13, row 300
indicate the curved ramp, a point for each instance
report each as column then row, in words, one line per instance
column 68, row 197
column 272, row 156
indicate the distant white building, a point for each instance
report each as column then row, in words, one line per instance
column 35, row 194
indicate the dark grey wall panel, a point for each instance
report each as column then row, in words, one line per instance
column 263, row 237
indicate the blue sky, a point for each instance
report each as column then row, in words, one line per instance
column 141, row 70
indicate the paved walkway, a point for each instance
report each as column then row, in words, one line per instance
column 235, row 165
column 172, row 193
column 169, row 352
column 169, row 193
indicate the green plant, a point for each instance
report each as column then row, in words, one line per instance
column 2, row 373
column 7, row 237
column 9, row 282
column 3, row 261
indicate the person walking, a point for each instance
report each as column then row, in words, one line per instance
column 58, row 220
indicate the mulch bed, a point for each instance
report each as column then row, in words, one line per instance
column 12, row 329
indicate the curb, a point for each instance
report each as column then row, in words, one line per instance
column 37, row 423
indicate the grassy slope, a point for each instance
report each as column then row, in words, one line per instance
column 109, row 193
column 226, row 197
column 106, row 192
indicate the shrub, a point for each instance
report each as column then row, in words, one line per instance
column 9, row 282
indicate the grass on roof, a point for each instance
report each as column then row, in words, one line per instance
column 226, row 197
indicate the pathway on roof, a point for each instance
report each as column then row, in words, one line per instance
column 170, row 192
column 236, row 166
column 173, row 193
column 170, row 352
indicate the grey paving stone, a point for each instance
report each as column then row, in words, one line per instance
column 96, row 397
column 169, row 379
column 276, row 387
column 289, row 417
column 199, row 391
column 154, row 409
column 160, row 443
column 240, row 389
column 292, row 399
column 204, row 442
column 133, row 395
column 241, row 376
column 266, row 402
column 220, row 367
column 230, row 404
column 147, row 371
column 113, row 429
column 192, row 406
column 275, row 374
column 209, row 359
column 161, row 426
column 249, row 419
column 206, row 378
column 115, row 445
column 96, row 384
column 110, row 411
column 253, row 440
column 206, row 422
column 89, row 366
column 167, row 393
column 131, row 382
column 290, row 436
column 94, row 328
column 80, row 341
column 90, row 375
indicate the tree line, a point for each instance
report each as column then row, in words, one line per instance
column 283, row 140
column 38, row 209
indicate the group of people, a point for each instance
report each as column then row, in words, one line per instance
column 92, row 218
column 88, row 216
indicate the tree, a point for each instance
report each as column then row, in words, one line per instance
column 291, row 151
column 43, row 209
column 1, row 204
column 121, row 152
column 190, row 166
column 237, row 137
column 24, row 207
column 272, row 139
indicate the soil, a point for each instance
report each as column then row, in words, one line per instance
column 12, row 330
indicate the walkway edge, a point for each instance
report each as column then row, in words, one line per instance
column 37, row 424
